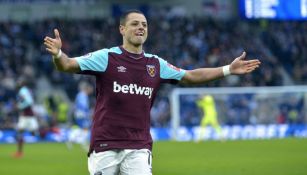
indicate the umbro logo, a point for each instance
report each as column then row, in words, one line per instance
column 121, row 69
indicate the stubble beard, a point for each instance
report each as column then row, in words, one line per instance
column 137, row 42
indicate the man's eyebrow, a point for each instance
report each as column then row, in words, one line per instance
column 139, row 21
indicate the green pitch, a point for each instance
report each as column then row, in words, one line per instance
column 260, row 157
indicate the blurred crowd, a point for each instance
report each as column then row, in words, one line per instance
column 187, row 42
column 248, row 109
column 288, row 41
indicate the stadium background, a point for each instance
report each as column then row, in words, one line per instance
column 189, row 34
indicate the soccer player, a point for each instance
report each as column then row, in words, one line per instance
column 79, row 133
column 127, row 80
column 207, row 104
column 26, row 121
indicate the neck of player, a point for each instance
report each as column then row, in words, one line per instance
column 133, row 48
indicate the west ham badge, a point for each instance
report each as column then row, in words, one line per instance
column 151, row 70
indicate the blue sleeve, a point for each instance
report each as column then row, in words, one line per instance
column 24, row 98
column 95, row 61
column 82, row 102
column 168, row 71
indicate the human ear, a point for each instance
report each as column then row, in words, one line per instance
column 122, row 29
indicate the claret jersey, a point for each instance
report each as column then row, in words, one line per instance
column 126, row 86
column 25, row 102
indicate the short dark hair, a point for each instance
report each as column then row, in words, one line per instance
column 21, row 81
column 123, row 17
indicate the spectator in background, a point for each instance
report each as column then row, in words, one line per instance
column 26, row 121
column 63, row 110
column 52, row 108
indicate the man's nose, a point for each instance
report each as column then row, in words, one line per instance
column 140, row 26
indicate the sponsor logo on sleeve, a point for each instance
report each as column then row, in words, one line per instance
column 86, row 55
column 173, row 67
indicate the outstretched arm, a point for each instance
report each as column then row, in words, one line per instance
column 61, row 61
column 237, row 67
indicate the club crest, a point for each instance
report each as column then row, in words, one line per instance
column 151, row 70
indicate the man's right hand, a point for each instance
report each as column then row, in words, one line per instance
column 53, row 45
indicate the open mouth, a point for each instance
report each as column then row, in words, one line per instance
column 139, row 34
